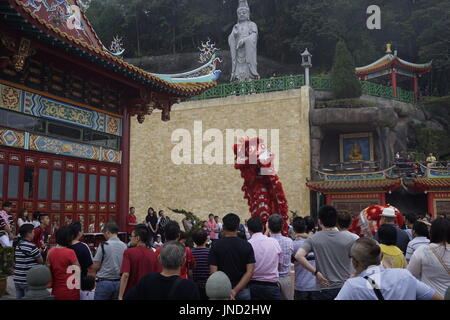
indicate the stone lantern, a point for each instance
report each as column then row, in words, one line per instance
column 306, row 63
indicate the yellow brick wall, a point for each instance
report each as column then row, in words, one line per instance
column 155, row 181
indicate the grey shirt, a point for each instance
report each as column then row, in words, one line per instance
column 332, row 251
column 110, row 268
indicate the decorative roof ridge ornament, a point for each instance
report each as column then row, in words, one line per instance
column 84, row 4
column 388, row 48
column 116, row 47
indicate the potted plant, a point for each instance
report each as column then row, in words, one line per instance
column 6, row 267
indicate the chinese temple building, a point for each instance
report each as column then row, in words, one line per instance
column 66, row 103
column 395, row 69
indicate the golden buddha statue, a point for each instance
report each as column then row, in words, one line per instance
column 356, row 154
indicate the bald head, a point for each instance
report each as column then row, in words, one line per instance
column 366, row 252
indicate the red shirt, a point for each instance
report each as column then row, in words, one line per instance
column 190, row 261
column 63, row 288
column 131, row 218
column 138, row 262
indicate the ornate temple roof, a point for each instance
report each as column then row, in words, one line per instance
column 64, row 23
column 425, row 184
column 354, row 185
column 389, row 60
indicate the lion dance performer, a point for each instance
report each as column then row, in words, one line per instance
column 262, row 187
column 366, row 224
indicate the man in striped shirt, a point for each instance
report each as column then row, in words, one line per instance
column 421, row 235
column 27, row 255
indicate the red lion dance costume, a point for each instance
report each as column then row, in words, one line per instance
column 366, row 224
column 262, row 187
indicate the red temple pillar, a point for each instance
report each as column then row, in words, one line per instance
column 394, row 82
column 124, row 196
column 415, row 87
column 430, row 201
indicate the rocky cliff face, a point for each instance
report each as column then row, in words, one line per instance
column 391, row 122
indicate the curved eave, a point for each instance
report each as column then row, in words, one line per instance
column 383, row 185
column 428, row 184
column 391, row 60
column 44, row 30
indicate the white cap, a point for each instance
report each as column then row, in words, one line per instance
column 388, row 212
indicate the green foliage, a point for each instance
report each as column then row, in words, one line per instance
column 6, row 261
column 197, row 224
column 345, row 103
column 343, row 79
column 435, row 141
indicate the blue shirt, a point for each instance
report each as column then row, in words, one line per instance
column 395, row 284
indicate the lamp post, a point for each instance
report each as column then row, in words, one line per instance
column 306, row 63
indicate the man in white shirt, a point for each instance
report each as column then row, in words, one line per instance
column 218, row 226
column 373, row 282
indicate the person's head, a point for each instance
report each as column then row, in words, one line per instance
column 328, row 216
column 26, row 231
column 216, row 219
column 243, row 14
column 430, row 154
column 161, row 213
column 231, row 222
column 132, row 210
column 7, row 206
column 158, row 238
column 387, row 216
column 172, row 255
column 64, row 236
column 310, row 224
column 110, row 229
column 410, row 219
column 440, row 231
column 140, row 235
column 255, row 225
column 205, row 224
column 76, row 229
column 299, row 225
column 387, row 234
column 365, row 252
column 200, row 237
column 275, row 223
column 344, row 220
column 150, row 211
column 420, row 229
column 23, row 213
column 211, row 217
column 36, row 215
column 183, row 237
column 172, row 231
column 44, row 219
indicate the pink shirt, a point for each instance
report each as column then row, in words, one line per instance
column 211, row 226
column 268, row 256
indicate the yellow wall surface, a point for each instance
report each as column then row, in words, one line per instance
column 155, row 181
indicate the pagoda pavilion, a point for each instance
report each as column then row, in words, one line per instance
column 66, row 102
column 390, row 65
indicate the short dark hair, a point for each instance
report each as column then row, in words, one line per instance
column 299, row 224
column 142, row 232
column 328, row 216
column 7, row 204
column 25, row 229
column 255, row 225
column 421, row 229
column 411, row 217
column 216, row 217
column 64, row 236
column 183, row 235
column 440, row 231
column 75, row 228
column 211, row 214
column 41, row 215
column 231, row 222
column 344, row 219
column 172, row 230
column 387, row 234
column 310, row 224
column 36, row 215
column 276, row 223
column 112, row 227
column 200, row 236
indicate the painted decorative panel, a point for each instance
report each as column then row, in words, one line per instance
column 12, row 138
column 47, row 144
column 39, row 106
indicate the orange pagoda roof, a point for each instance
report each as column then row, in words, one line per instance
column 65, row 22
column 424, row 184
column 354, row 185
column 392, row 60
